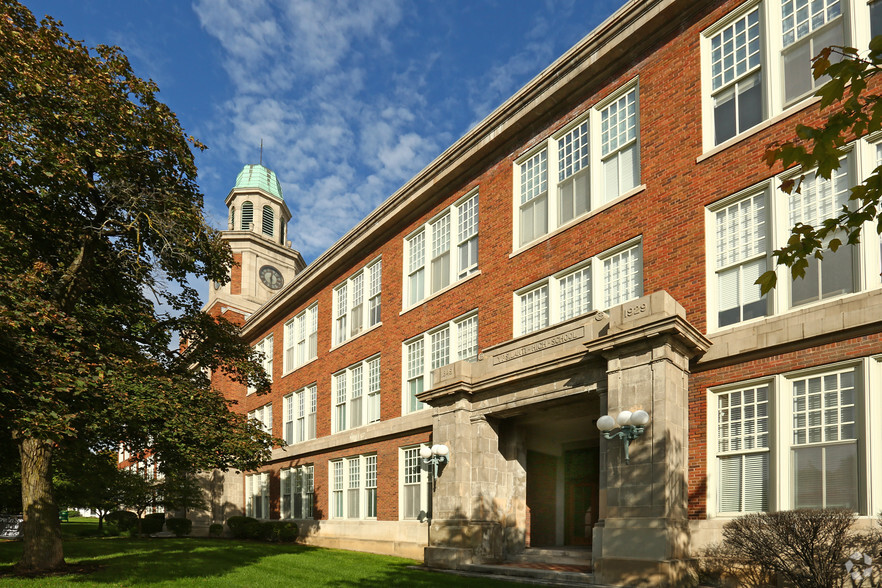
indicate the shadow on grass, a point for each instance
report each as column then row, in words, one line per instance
column 219, row 562
column 147, row 561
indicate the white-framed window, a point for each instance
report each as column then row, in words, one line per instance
column 588, row 163
column 756, row 61
column 264, row 416
column 257, row 495
column 356, row 395
column 301, row 339
column 354, row 487
column 265, row 346
column 414, row 495
column 298, row 492
column 299, row 415
column 447, row 343
column 744, row 229
column 442, row 251
column 795, row 440
column 608, row 279
column 743, row 449
column 357, row 302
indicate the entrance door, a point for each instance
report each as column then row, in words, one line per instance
column 581, row 495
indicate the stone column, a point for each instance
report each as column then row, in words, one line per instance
column 643, row 538
column 479, row 511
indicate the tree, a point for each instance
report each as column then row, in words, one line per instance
column 182, row 491
column 138, row 493
column 851, row 110
column 89, row 480
column 101, row 214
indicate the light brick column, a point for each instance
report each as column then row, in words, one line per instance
column 643, row 538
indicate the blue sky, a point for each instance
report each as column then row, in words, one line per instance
column 351, row 99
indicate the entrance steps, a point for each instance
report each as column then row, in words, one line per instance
column 544, row 566
column 574, row 556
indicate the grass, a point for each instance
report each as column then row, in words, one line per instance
column 118, row 561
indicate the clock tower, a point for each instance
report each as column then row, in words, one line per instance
column 257, row 231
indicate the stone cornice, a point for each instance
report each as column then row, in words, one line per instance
column 671, row 326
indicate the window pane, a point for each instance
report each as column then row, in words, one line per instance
column 808, row 474
column 730, row 484
column 841, row 472
column 622, row 277
column 534, row 310
column 575, row 294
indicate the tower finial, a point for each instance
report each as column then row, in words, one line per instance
column 261, row 151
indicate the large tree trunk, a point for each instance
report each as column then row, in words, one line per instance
column 41, row 529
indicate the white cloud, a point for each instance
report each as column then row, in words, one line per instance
column 305, row 78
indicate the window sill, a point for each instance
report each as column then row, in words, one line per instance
column 471, row 276
column 802, row 104
column 309, row 361
column 578, row 220
column 361, row 334
column 350, row 429
column 795, row 325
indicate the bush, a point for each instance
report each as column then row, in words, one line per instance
column 806, row 548
column 277, row 531
column 123, row 520
column 215, row 530
column 179, row 526
column 153, row 523
column 243, row 527
column 249, row 528
column 73, row 513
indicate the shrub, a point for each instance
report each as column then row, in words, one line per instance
column 284, row 531
column 278, row 531
column 73, row 513
column 153, row 523
column 124, row 520
column 215, row 530
column 179, row 526
column 807, row 548
column 243, row 527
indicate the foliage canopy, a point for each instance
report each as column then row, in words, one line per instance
column 101, row 230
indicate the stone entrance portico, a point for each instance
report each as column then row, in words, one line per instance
column 525, row 412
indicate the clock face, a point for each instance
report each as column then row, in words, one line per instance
column 217, row 285
column 271, row 277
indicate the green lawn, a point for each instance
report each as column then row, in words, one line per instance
column 118, row 561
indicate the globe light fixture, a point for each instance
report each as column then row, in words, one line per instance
column 436, row 456
column 632, row 424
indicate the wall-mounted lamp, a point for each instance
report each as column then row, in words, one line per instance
column 436, row 455
column 632, row 423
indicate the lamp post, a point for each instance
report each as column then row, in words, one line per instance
column 632, row 426
column 436, row 456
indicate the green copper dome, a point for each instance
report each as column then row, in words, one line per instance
column 257, row 176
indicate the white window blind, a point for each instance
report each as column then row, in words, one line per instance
column 743, row 449
column 741, row 249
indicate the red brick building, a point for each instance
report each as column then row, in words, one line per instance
column 588, row 248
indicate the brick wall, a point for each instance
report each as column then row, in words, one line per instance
column 669, row 215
